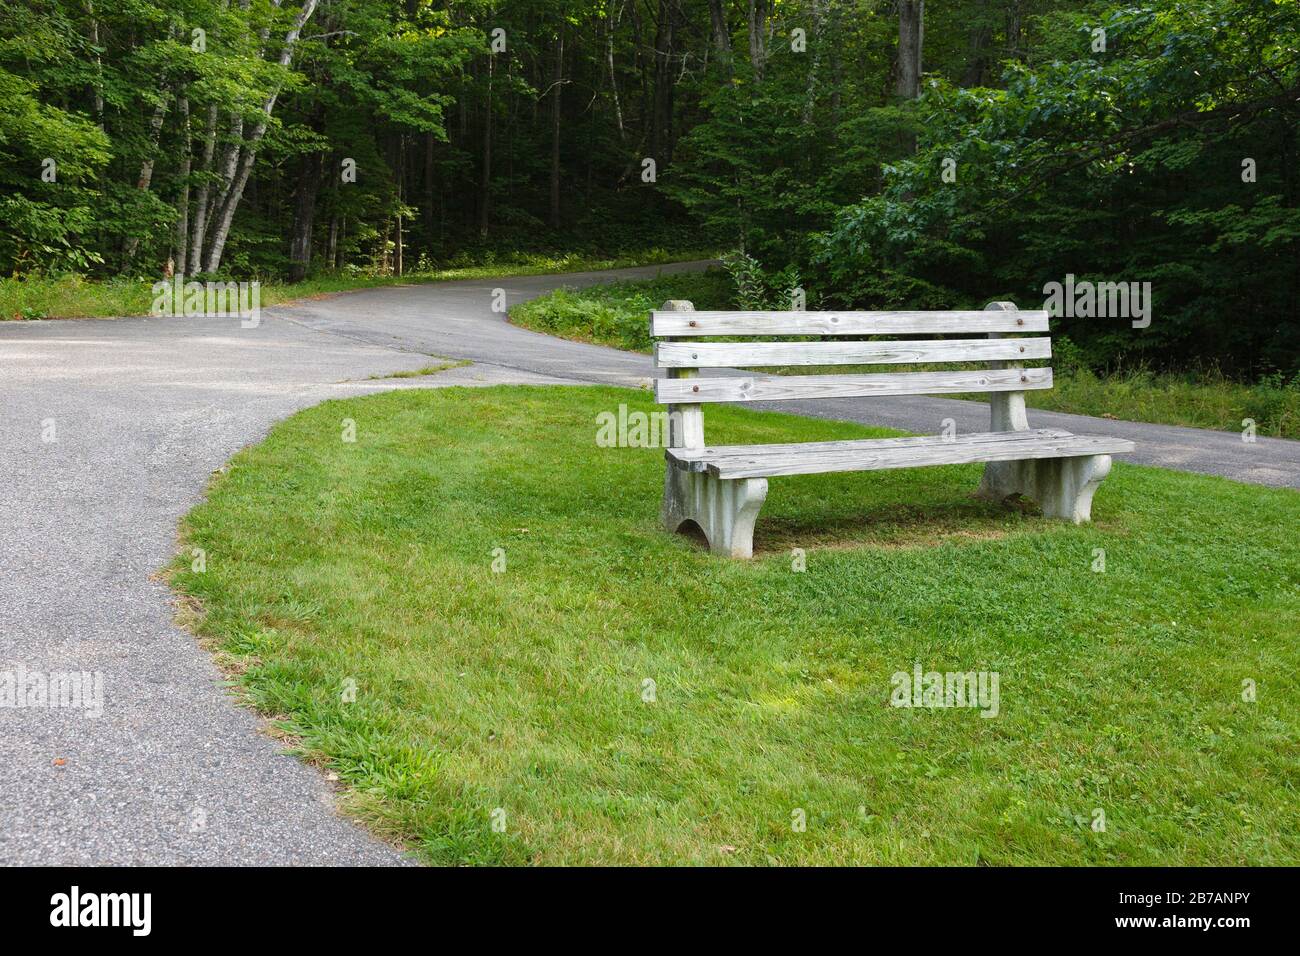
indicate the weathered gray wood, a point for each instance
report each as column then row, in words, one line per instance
column 1063, row 487
column 685, row 421
column 698, row 458
column 747, row 354
column 767, row 461
column 685, row 431
column 1007, row 408
column 786, row 387
column 671, row 323
column 725, row 511
column 720, row 490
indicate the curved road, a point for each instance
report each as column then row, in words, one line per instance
column 109, row 431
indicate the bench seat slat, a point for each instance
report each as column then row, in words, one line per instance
column 676, row 324
column 747, row 354
column 808, row 458
column 758, row 388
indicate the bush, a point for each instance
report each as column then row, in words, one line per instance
column 616, row 314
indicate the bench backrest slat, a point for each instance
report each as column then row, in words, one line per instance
column 993, row 354
column 670, row 391
column 749, row 354
column 676, row 324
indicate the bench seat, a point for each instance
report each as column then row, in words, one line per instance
column 719, row 489
column 811, row 458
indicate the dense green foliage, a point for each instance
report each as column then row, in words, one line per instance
column 1126, row 165
column 524, row 689
column 1149, row 142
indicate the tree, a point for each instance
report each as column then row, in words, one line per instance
column 911, row 35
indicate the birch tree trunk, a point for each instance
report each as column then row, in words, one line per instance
column 180, row 232
column 245, row 151
column 198, row 227
column 97, row 88
column 613, row 77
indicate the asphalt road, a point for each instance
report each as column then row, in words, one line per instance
column 109, row 430
column 457, row 320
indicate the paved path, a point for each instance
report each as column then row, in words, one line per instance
column 141, row 411
column 456, row 320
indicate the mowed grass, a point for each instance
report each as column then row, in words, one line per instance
column 369, row 565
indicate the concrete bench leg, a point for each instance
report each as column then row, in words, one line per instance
column 724, row 509
column 1063, row 487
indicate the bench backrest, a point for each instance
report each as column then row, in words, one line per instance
column 998, row 357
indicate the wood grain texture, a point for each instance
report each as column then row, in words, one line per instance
column 686, row 421
column 748, row 354
column 773, row 388
column 765, row 461
column 675, row 324
column 721, row 489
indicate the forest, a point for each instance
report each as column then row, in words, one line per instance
column 870, row 153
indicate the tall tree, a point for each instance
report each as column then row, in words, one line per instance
column 911, row 36
column 557, row 86
column 246, row 149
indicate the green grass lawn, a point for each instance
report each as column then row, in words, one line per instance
column 333, row 565
column 615, row 315
column 78, row 297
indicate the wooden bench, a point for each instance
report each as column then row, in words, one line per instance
column 719, row 489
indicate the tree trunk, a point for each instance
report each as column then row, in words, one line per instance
column 981, row 36
column 97, row 88
column 1013, row 30
column 757, row 45
column 199, row 226
column 180, row 232
column 228, row 167
column 661, row 125
column 613, row 77
column 304, row 216
column 810, row 97
column 911, row 34
column 485, row 175
column 398, row 260
column 146, row 167
column 246, row 150
column 837, row 71
column 721, row 36
column 430, row 196
column 556, row 116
